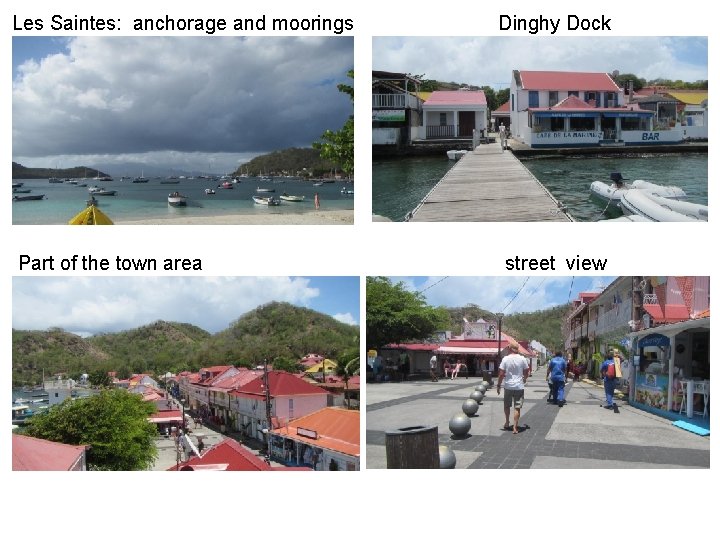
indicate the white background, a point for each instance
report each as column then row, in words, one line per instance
column 421, row 504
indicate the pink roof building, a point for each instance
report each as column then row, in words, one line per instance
column 32, row 454
column 454, row 114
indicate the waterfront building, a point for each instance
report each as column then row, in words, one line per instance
column 326, row 440
column 290, row 398
column 579, row 109
column 501, row 116
column 32, row 454
column 396, row 108
column 454, row 114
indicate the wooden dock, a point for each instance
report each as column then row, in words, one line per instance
column 488, row 184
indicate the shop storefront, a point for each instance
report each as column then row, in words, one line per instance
column 671, row 370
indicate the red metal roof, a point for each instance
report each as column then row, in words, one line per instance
column 413, row 346
column 228, row 455
column 567, row 81
column 456, row 97
column 337, row 429
column 281, row 384
column 31, row 454
column 236, row 381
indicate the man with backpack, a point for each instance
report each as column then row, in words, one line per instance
column 607, row 370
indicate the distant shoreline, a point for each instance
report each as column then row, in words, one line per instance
column 319, row 217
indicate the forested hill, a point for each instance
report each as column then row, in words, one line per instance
column 25, row 173
column 288, row 162
column 270, row 331
column 544, row 326
column 279, row 329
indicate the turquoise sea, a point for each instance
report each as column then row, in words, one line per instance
column 147, row 201
column 400, row 184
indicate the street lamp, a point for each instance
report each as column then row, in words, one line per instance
column 182, row 402
column 499, row 350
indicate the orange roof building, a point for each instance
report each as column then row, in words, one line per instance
column 326, row 440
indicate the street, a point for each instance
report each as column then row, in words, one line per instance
column 580, row 435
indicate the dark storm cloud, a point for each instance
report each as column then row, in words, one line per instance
column 190, row 94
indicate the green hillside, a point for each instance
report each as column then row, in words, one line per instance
column 304, row 162
column 270, row 331
column 544, row 325
column 25, row 173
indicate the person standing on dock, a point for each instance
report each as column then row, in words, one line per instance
column 503, row 137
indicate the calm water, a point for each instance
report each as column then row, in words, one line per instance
column 400, row 184
column 569, row 179
column 149, row 201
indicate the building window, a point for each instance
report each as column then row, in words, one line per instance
column 533, row 99
column 611, row 99
column 590, row 96
column 512, row 102
column 443, row 119
column 553, row 98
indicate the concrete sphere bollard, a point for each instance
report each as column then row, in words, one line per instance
column 470, row 406
column 477, row 396
column 447, row 458
column 460, row 424
column 481, row 388
column 485, row 384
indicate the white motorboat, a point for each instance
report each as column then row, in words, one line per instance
column 456, row 154
column 264, row 190
column 346, row 191
column 614, row 191
column 268, row 201
column 655, row 208
column 209, row 191
column 177, row 199
column 105, row 192
column 292, row 198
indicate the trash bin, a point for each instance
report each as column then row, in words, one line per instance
column 413, row 447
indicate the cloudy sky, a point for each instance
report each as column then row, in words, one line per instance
column 88, row 305
column 204, row 104
column 496, row 293
column 490, row 60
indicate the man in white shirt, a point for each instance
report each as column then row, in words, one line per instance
column 433, row 367
column 513, row 371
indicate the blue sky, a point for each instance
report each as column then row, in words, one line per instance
column 181, row 103
column 490, row 60
column 496, row 293
column 88, row 305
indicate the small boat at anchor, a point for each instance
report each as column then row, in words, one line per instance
column 28, row 197
column 209, row 191
column 346, row 191
column 456, row 154
column 105, row 192
column 177, row 199
column 292, row 198
column 655, row 208
column 265, row 190
column 267, row 201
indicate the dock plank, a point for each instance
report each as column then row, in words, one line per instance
column 488, row 184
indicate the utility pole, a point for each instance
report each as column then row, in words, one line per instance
column 268, row 409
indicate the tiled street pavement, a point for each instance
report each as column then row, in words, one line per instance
column 582, row 434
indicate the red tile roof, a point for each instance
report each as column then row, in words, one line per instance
column 456, row 97
column 337, row 429
column 228, row 455
column 567, row 81
column 504, row 108
column 281, row 384
column 31, row 454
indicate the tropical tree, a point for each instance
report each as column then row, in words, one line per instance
column 339, row 146
column 394, row 314
column 282, row 363
column 348, row 365
column 100, row 379
column 113, row 423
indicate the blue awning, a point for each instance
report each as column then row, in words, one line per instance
column 654, row 340
column 558, row 114
column 633, row 114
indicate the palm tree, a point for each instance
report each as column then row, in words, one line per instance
column 347, row 366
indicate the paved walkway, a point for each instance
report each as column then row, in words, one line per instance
column 582, row 434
